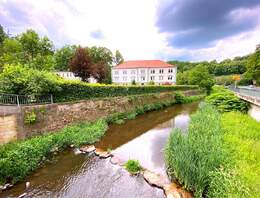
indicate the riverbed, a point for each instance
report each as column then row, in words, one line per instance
column 143, row 139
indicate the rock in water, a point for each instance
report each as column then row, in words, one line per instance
column 102, row 154
column 88, row 148
column 155, row 179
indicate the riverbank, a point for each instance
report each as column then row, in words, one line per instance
column 219, row 156
column 20, row 158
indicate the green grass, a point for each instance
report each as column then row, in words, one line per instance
column 133, row 166
column 242, row 139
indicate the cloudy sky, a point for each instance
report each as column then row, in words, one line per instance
column 143, row 29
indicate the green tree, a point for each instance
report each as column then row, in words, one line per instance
column 63, row 56
column 201, row 76
column 3, row 35
column 101, row 57
column 118, row 59
column 253, row 67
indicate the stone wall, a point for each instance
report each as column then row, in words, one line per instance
column 52, row 117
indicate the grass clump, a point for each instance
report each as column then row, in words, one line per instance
column 133, row 166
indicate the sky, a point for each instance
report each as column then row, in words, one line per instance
column 190, row 30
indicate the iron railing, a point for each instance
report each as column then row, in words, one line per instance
column 249, row 91
column 13, row 99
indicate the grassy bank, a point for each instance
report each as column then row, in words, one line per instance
column 20, row 158
column 220, row 155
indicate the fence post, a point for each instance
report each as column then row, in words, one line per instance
column 17, row 98
column 51, row 99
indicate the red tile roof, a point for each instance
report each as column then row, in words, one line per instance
column 143, row 64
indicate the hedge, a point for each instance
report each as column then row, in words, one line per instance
column 74, row 90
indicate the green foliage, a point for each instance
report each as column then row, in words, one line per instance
column 179, row 97
column 225, row 80
column 253, row 67
column 192, row 157
column 133, row 82
column 3, row 35
column 225, row 100
column 18, row 79
column 118, row 59
column 63, row 56
column 133, row 166
column 20, row 158
column 30, row 117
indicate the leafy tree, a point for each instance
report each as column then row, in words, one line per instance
column 102, row 56
column 253, row 67
column 81, row 64
column 100, row 72
column 200, row 76
column 118, row 58
column 3, row 35
column 63, row 56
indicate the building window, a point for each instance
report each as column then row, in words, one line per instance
column 116, row 78
column 142, row 71
column 116, row 72
column 143, row 78
column 133, row 72
column 124, row 78
column 124, row 72
column 152, row 78
column 152, row 71
column 169, row 77
column 160, row 77
column 132, row 78
column 170, row 70
column 161, row 71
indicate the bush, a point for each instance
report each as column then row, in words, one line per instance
column 192, row 157
column 18, row 79
column 225, row 80
column 225, row 100
column 19, row 158
column 133, row 166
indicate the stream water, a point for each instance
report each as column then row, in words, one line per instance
column 143, row 138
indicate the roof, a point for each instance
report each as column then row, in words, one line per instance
column 143, row 64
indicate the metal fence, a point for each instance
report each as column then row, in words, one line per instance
column 12, row 99
column 255, row 92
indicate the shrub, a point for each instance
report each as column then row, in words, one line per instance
column 30, row 117
column 133, row 166
column 225, row 100
column 179, row 98
column 225, row 80
column 18, row 79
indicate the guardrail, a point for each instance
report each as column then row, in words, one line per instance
column 17, row 100
column 255, row 92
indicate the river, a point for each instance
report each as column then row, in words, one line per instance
column 70, row 175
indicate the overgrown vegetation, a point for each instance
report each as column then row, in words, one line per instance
column 225, row 100
column 133, row 166
column 18, row 159
column 30, row 117
column 220, row 154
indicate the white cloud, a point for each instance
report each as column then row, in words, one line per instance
column 125, row 25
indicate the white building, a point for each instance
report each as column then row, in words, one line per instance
column 144, row 71
column 70, row 76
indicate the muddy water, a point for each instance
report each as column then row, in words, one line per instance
column 71, row 175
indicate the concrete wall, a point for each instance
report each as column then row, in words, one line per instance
column 254, row 112
column 52, row 117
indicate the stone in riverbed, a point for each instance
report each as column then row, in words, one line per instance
column 174, row 191
column 117, row 161
column 88, row 148
column 155, row 179
column 102, row 154
column 22, row 195
column 5, row 187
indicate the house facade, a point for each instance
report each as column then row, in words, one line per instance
column 144, row 72
column 70, row 76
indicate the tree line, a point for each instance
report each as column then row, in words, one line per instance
column 246, row 67
column 36, row 52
